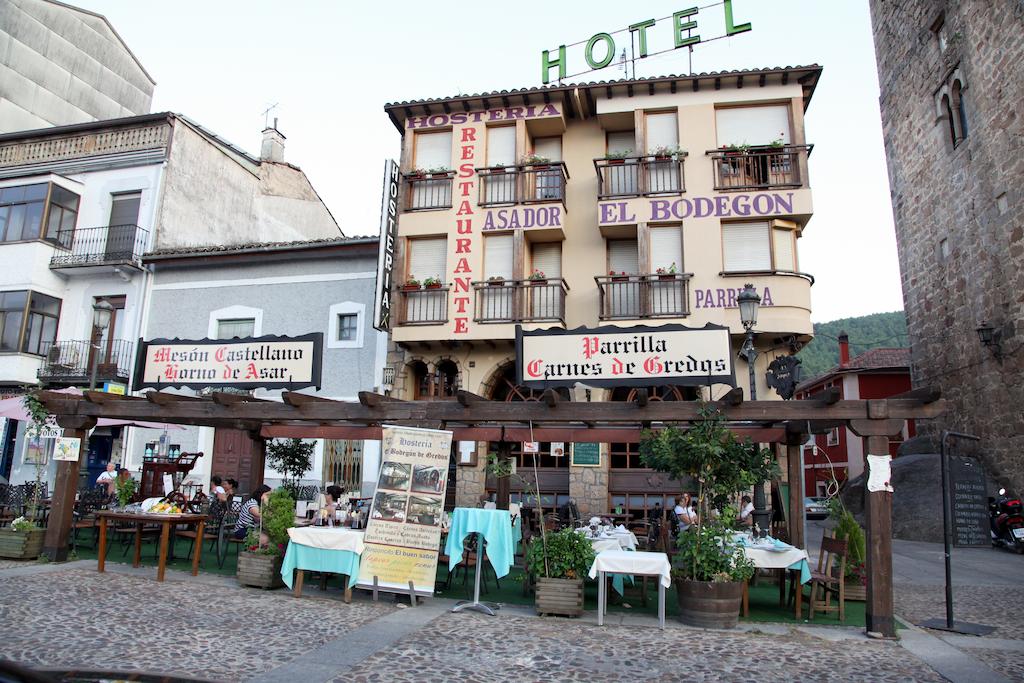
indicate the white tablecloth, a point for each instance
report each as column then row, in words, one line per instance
column 626, row 562
column 329, row 538
column 624, row 539
column 771, row 559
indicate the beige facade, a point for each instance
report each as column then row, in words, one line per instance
column 654, row 202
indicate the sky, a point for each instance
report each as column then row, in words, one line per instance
column 330, row 66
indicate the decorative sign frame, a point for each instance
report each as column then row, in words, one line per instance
column 585, row 454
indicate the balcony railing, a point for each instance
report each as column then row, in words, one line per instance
column 758, row 168
column 428, row 190
column 524, row 184
column 632, row 297
column 520, row 301
column 106, row 245
column 71, row 361
column 427, row 306
column 640, row 176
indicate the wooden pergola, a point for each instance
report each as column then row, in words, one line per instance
column 474, row 418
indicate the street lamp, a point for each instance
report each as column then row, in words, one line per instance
column 749, row 301
column 101, row 312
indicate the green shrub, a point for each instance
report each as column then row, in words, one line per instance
column 569, row 556
column 708, row 553
column 278, row 517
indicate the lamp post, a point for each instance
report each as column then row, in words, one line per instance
column 101, row 312
column 749, row 301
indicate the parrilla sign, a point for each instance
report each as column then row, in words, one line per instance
column 269, row 362
column 638, row 356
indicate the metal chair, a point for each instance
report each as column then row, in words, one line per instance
column 211, row 531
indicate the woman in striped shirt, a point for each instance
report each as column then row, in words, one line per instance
column 250, row 514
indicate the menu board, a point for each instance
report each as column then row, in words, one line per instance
column 968, row 497
column 586, row 455
column 403, row 533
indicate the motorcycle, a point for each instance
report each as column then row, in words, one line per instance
column 1007, row 521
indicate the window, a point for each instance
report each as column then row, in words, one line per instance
column 63, row 214
column 746, row 247
column 545, row 184
column 347, row 325
column 944, row 248
column 343, row 463
column 833, row 437
column 545, row 300
column 784, row 243
column 28, row 321
column 109, row 339
column 23, row 212
column 941, row 37
column 662, row 133
column 235, row 327
column 496, row 303
column 432, row 151
column 427, row 258
column 620, row 178
column 501, row 151
column 666, row 248
column 755, row 126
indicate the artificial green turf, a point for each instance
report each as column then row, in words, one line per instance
column 116, row 553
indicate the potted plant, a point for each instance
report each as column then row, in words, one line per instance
column 417, row 174
column 617, row 158
column 432, row 283
column 665, row 152
column 411, row 284
column 709, row 569
column 736, row 150
column 439, row 172
column 536, row 161
column 260, row 563
column 23, row 539
column 537, row 277
column 125, row 490
column 849, row 530
column 622, row 276
column 560, row 571
column 667, row 273
column 495, row 281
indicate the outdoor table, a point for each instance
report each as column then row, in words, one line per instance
column 624, row 538
column 335, row 550
column 493, row 528
column 641, row 563
column 774, row 554
column 166, row 521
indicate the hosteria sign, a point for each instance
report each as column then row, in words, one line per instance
column 268, row 362
column 624, row 356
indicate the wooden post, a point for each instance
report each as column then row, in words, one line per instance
column 504, row 483
column 259, row 457
column 795, row 474
column 65, row 488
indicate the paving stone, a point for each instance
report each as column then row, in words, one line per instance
column 999, row 606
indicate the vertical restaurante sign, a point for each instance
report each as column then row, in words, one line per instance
column 386, row 249
column 268, row 362
column 624, row 356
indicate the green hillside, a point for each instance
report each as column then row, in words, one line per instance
column 866, row 332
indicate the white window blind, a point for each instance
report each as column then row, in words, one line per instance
column 544, row 300
column 746, row 247
column 753, row 125
column 623, row 256
column 498, row 256
column 622, row 141
column 666, row 248
column 662, row 130
column 433, row 150
column 547, row 258
column 124, row 209
column 501, row 146
column 238, row 327
column 427, row 258
column 550, row 148
column 785, row 254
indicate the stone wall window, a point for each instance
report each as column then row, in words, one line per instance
column 951, row 107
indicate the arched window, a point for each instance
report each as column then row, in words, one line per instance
column 420, row 379
column 949, row 119
column 447, row 379
column 960, row 118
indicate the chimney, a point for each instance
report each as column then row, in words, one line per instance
column 844, row 349
column 273, row 144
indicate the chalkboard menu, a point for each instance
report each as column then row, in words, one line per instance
column 969, row 500
column 586, row 455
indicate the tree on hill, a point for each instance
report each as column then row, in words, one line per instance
column 878, row 330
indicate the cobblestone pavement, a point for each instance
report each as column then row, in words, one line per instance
column 11, row 564
column 1007, row 662
column 999, row 606
column 470, row 647
column 79, row 617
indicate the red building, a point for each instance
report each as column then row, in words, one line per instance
column 878, row 373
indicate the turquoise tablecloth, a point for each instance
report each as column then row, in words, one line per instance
column 517, row 534
column 319, row 560
column 495, row 525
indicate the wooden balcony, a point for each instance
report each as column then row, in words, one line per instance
column 426, row 306
column 520, row 301
column 760, row 168
column 639, row 297
column 522, row 184
column 640, row 176
column 428, row 191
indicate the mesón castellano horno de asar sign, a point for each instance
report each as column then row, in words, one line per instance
column 638, row 356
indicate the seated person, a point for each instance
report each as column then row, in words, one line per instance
column 107, row 478
column 216, row 490
column 230, row 488
column 333, row 496
column 746, row 515
column 684, row 512
column 249, row 517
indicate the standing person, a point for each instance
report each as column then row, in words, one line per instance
column 216, row 490
column 249, row 517
column 685, row 513
column 107, row 478
column 746, row 515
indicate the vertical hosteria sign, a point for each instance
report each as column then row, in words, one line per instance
column 386, row 249
column 638, row 356
column 601, row 49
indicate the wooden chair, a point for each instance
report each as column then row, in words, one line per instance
column 829, row 578
column 211, row 531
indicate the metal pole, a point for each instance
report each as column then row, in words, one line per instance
column 760, row 504
column 750, row 353
column 947, row 519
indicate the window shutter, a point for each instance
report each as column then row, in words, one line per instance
column 746, row 247
column 666, row 248
column 428, row 258
column 498, row 256
column 662, row 130
column 124, row 209
column 501, row 146
column 785, row 256
column 548, row 147
column 547, row 258
column 623, row 256
column 434, row 150
column 622, row 141
column 752, row 125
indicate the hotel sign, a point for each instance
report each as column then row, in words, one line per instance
column 386, row 248
column 268, row 362
column 611, row 356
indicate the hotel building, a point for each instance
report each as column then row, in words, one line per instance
column 624, row 203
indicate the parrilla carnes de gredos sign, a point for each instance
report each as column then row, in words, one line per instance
column 638, row 356
column 268, row 362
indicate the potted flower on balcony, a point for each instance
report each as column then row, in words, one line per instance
column 665, row 152
column 617, row 158
column 537, row 277
column 417, row 174
column 439, row 172
column 622, row 276
column 736, row 150
column 535, row 161
column 667, row 273
column 495, row 281
column 411, row 284
column 432, row 283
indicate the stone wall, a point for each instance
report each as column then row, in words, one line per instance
column 589, row 486
column 959, row 208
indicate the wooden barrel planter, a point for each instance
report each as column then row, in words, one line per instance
column 856, row 591
column 559, row 596
column 21, row 545
column 709, row 604
column 261, row 571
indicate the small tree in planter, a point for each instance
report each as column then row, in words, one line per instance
column 23, row 540
column 560, row 568
column 292, row 458
column 260, row 564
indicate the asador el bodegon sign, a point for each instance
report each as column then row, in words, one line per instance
column 624, row 356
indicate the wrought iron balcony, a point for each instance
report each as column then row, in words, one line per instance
column 522, row 184
column 640, row 176
column 427, row 306
column 520, row 301
column 109, row 245
column 70, row 362
column 759, row 168
column 634, row 297
column 426, row 191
